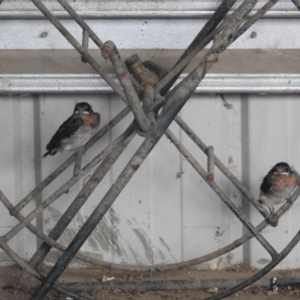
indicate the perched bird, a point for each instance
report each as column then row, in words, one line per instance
column 278, row 185
column 75, row 131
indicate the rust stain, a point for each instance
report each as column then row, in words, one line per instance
column 122, row 75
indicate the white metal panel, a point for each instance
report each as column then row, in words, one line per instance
column 208, row 225
column 135, row 9
column 272, row 34
column 167, row 213
column 272, row 137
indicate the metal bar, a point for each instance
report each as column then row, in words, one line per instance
column 156, row 268
column 79, row 48
column 109, row 50
column 200, row 41
column 86, row 28
column 177, row 98
column 65, row 187
column 95, row 262
column 148, row 97
column 222, row 38
column 69, row 161
column 184, row 10
column 244, row 191
column 82, row 197
column 78, row 161
column 161, row 285
column 263, row 271
column 34, row 273
column 220, row 193
column 259, row 14
column 96, row 216
column 210, row 163
column 213, row 83
column 85, row 43
column 80, row 22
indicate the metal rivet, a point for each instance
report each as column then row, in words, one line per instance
column 44, row 34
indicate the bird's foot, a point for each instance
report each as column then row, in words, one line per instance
column 273, row 218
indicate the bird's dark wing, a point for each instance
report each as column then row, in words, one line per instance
column 66, row 129
column 267, row 183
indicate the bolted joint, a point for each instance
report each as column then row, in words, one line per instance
column 152, row 132
column 140, row 72
column 107, row 49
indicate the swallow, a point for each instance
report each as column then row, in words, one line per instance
column 278, row 185
column 75, row 131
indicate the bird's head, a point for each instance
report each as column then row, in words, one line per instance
column 281, row 168
column 82, row 108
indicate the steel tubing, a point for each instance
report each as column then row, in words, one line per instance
column 96, row 216
column 65, row 187
column 81, row 198
column 189, row 157
column 69, row 161
column 243, row 190
column 79, row 48
column 109, row 50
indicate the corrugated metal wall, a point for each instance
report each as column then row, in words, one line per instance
column 167, row 213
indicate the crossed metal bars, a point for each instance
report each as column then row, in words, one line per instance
column 152, row 124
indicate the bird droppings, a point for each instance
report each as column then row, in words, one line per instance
column 179, row 174
column 145, row 242
column 106, row 238
column 263, row 261
column 44, row 34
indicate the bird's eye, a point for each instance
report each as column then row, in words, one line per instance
column 286, row 169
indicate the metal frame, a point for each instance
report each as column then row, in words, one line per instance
column 160, row 108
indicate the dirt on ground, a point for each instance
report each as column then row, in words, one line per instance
column 11, row 286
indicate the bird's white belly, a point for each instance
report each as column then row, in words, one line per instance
column 77, row 140
column 276, row 197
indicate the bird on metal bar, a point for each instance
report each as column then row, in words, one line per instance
column 278, row 185
column 75, row 131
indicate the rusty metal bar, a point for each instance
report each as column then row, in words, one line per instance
column 200, row 41
column 81, row 22
column 85, row 43
column 177, row 98
column 164, row 285
column 254, row 18
column 92, row 34
column 109, row 50
column 243, row 190
column 34, row 273
column 69, row 161
column 222, row 38
column 79, row 48
column 220, row 193
column 65, row 187
column 158, row 268
column 210, row 163
column 81, row 198
column 96, row 216
column 275, row 261
column 148, row 97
